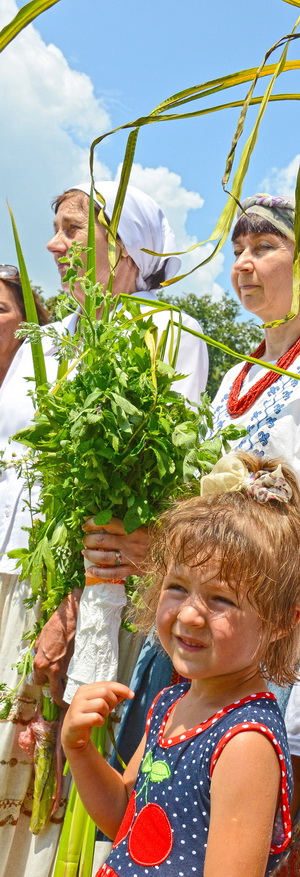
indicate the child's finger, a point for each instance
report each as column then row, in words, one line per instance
column 98, row 698
column 107, row 690
column 99, row 705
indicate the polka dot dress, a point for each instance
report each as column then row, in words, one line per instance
column 166, row 823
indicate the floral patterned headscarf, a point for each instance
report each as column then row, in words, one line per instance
column 279, row 211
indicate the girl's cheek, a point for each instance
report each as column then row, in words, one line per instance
column 165, row 614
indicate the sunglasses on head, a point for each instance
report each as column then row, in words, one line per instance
column 9, row 272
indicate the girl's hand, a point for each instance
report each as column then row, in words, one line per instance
column 91, row 706
column 113, row 552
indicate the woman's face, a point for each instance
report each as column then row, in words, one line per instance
column 262, row 274
column 71, row 224
column 10, row 318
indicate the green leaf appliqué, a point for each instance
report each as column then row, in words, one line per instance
column 147, row 763
column 160, row 771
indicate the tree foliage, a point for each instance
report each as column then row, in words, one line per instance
column 220, row 320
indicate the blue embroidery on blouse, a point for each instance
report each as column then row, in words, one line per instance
column 263, row 437
column 271, row 404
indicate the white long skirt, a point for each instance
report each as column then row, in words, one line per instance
column 22, row 853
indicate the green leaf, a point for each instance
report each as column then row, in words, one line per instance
column 91, row 252
column 162, row 467
column 5, row 710
column 37, row 571
column 136, row 516
column 103, row 517
column 190, row 465
column 17, row 553
column 184, row 434
column 92, row 397
column 232, row 432
column 212, row 450
column 48, row 556
column 30, row 310
column 160, row 771
column 59, row 536
column 125, row 405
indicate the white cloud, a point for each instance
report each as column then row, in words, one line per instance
column 282, row 181
column 50, row 114
column 166, row 187
column 39, row 80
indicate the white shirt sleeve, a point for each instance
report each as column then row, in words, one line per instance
column 192, row 360
column 292, row 720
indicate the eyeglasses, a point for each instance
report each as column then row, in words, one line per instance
column 9, row 272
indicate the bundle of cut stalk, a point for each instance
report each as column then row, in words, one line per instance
column 77, row 842
column 47, row 772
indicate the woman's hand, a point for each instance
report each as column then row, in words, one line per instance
column 90, row 706
column 54, row 646
column 112, row 553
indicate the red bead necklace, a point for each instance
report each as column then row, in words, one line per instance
column 236, row 406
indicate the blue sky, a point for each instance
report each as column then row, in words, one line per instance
column 82, row 69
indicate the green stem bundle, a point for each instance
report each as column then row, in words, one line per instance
column 77, row 841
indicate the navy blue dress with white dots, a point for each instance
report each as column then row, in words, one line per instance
column 166, row 823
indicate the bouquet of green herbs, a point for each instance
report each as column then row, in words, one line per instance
column 111, row 438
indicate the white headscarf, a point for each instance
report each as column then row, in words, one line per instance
column 142, row 224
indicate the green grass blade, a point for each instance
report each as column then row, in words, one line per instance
column 224, row 223
column 91, row 242
column 269, row 366
column 30, row 310
column 124, row 180
column 226, row 218
column 190, row 94
column 91, row 253
column 176, row 351
column 25, row 15
column 62, row 370
column 241, row 120
column 112, row 228
column 296, row 261
column 162, row 306
column 297, row 217
column 175, row 117
column 296, row 266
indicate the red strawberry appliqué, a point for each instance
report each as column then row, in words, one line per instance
column 127, row 820
column 150, row 840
